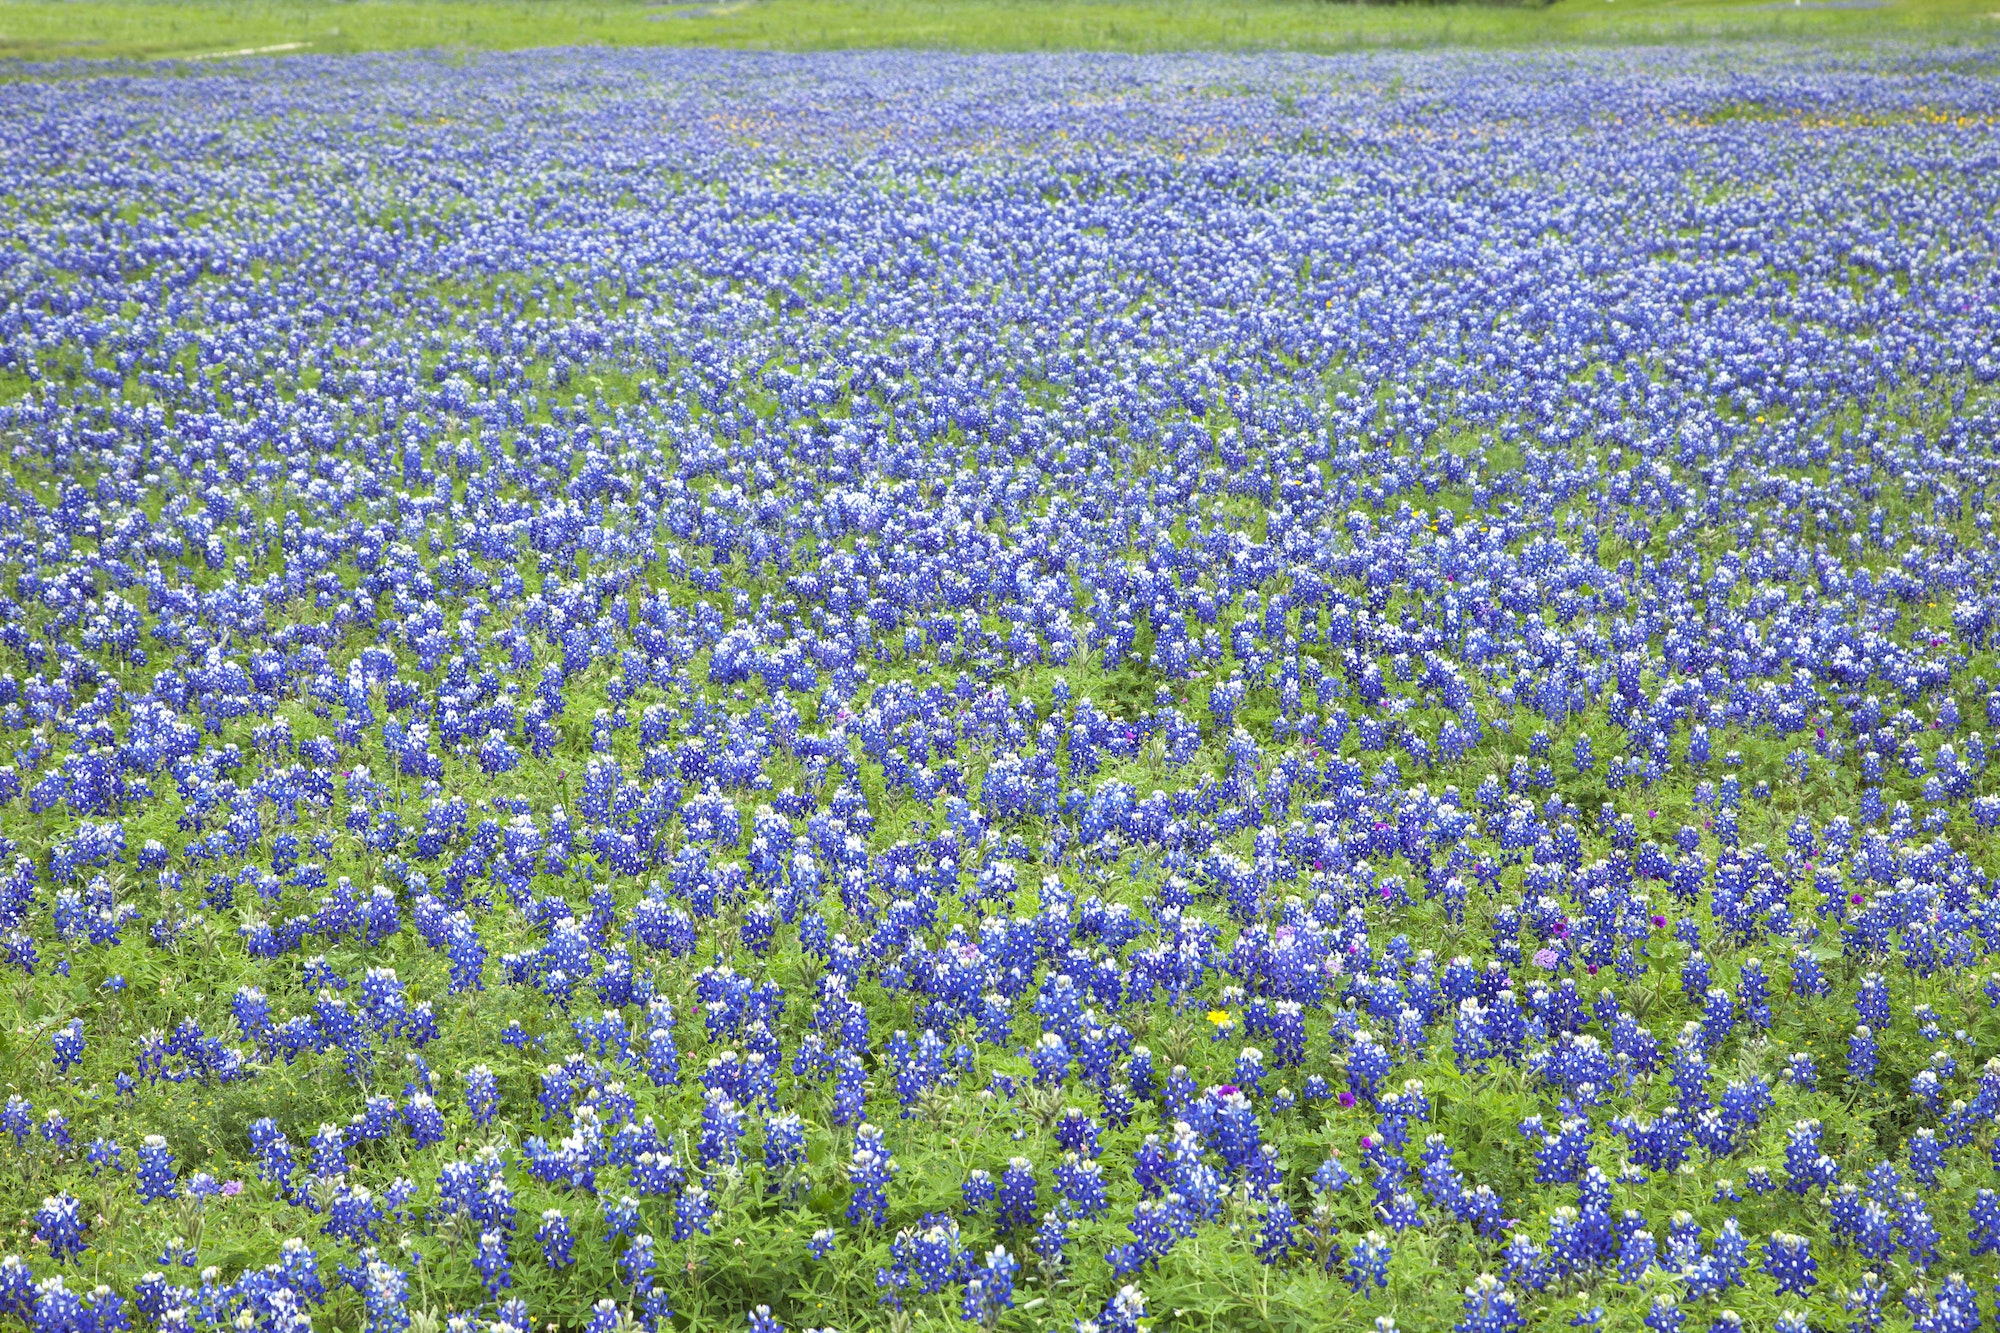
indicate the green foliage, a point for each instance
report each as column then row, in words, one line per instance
column 153, row 29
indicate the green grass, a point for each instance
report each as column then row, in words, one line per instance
column 42, row 31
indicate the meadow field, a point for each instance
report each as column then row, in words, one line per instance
column 1083, row 691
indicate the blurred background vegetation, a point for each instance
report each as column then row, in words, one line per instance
column 155, row 29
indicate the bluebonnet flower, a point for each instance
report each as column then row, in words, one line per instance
column 1789, row 1263
column 1275, row 1240
column 1368, row 1264
column 989, row 1287
column 1866, row 1299
column 929, row 1255
column 1082, row 1186
column 1690, row 1073
column 1016, row 1195
column 353, row 1214
column 491, row 1259
column 784, row 1142
column 1636, row 1255
column 1955, row 1308
column 1050, row 1057
column 1490, row 1308
column 1561, row 1156
column 425, row 1121
column 385, row 1293
column 1916, row 1231
column 1076, row 1132
column 1871, row 1002
column 1122, row 1313
column 721, row 1131
column 1861, row 1055
column 1984, row 1234
column 59, row 1223
column 869, row 1171
column 1156, row 1226
column 156, row 1175
column 1399, row 1212
column 1331, row 1176
column 1288, row 1034
column 68, row 1045
column 1806, row 1165
column 1524, row 1263
column 17, row 1118
column 635, row 1265
column 695, row 1207
column 1051, row 1240
column 1926, row 1156
column 1367, row 1065
column 621, row 1217
column 106, row 1152
column 1696, row 979
column 850, row 1078
column 554, row 1236
column 1874, row 1231
column 482, row 1094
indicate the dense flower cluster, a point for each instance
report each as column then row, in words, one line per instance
column 889, row 688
